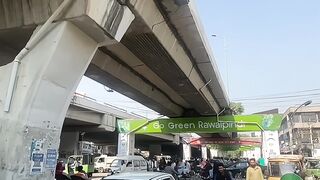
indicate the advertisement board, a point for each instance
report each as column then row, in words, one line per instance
column 239, row 123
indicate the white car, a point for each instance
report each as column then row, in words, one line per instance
column 103, row 163
column 128, row 164
column 140, row 176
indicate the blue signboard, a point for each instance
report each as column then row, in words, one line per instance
column 37, row 163
column 37, row 157
column 51, row 159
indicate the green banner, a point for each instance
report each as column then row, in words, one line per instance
column 231, row 147
column 240, row 123
column 246, row 148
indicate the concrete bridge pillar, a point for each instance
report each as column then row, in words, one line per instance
column 69, row 143
column 126, row 144
column 47, row 79
column 204, row 152
column 186, row 151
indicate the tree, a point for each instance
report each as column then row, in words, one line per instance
column 236, row 108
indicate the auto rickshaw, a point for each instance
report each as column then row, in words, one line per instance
column 74, row 161
column 313, row 168
column 285, row 164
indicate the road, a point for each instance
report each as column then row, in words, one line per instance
column 98, row 176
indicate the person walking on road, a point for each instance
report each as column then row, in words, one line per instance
column 170, row 170
column 162, row 164
column 80, row 174
column 205, row 170
column 222, row 173
column 60, row 175
column 254, row 172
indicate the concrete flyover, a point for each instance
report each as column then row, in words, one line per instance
column 87, row 114
column 97, row 122
column 141, row 48
column 163, row 61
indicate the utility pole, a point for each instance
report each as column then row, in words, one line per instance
column 311, row 138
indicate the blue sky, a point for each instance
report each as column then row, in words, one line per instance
column 272, row 48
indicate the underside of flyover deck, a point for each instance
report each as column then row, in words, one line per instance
column 162, row 61
column 157, row 64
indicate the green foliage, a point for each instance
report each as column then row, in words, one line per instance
column 236, row 108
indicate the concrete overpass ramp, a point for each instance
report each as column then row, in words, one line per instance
column 96, row 121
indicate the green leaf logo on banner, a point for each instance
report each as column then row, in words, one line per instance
column 267, row 121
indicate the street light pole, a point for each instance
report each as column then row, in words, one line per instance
column 304, row 104
column 291, row 119
column 311, row 138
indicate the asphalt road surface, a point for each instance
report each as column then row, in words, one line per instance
column 98, row 176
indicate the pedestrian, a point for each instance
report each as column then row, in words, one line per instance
column 168, row 169
column 222, row 173
column 188, row 167
column 206, row 166
column 149, row 163
column 182, row 167
column 176, row 168
column 155, row 164
column 262, row 164
column 173, row 165
column 261, row 161
column 81, row 173
column 214, row 169
column 203, row 163
column 162, row 164
column 254, row 172
column 60, row 175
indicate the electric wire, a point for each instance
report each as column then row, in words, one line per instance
column 279, row 94
column 277, row 97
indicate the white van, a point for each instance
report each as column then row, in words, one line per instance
column 128, row 164
column 102, row 163
column 166, row 157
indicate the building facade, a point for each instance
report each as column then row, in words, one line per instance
column 300, row 131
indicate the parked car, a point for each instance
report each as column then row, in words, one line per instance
column 103, row 163
column 239, row 169
column 128, row 164
column 140, row 176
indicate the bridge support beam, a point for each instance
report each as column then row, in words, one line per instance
column 213, row 153
column 126, row 144
column 204, row 152
column 47, row 79
column 186, row 151
column 69, row 143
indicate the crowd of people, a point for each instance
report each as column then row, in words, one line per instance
column 79, row 175
column 214, row 169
